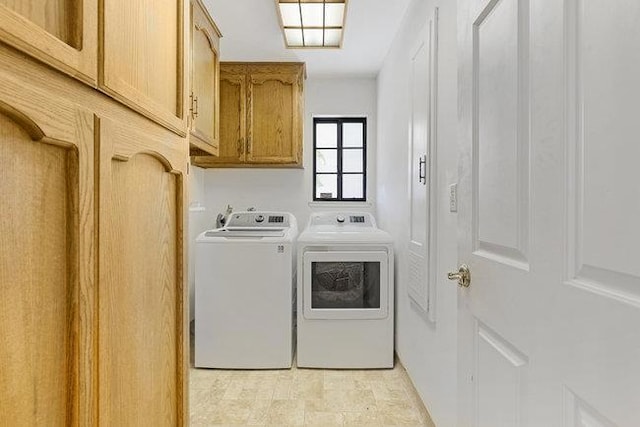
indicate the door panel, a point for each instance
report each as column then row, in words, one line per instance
column 272, row 106
column 499, row 379
column 206, row 76
column 233, row 115
column 46, row 260
column 142, row 352
column 37, row 305
column 560, row 306
column 204, row 58
column 423, row 170
column 61, row 33
column 500, row 121
column 604, row 247
column 143, row 58
column 501, row 137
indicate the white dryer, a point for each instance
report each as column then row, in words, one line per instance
column 244, row 292
column 345, row 293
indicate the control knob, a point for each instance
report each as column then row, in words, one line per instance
column 340, row 219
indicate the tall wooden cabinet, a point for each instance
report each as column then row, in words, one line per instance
column 261, row 119
column 93, row 317
column 205, row 78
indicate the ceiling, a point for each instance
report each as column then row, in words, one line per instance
column 251, row 32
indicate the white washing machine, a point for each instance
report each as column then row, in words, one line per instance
column 345, row 293
column 245, row 292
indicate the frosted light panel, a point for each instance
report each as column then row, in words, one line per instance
column 290, row 13
column 293, row 36
column 326, row 135
column 327, row 160
column 334, row 14
column 312, row 14
column 312, row 37
column 352, row 135
column 352, row 161
column 326, row 186
column 332, row 37
column 312, row 23
column 352, row 187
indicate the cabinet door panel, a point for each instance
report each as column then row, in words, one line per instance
column 233, row 115
column 274, row 129
column 143, row 57
column 61, row 33
column 46, row 263
column 141, row 351
column 205, row 80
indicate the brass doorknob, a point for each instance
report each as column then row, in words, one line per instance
column 463, row 276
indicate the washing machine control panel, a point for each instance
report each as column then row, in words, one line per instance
column 259, row 219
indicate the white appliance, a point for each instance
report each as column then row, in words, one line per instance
column 245, row 292
column 345, row 293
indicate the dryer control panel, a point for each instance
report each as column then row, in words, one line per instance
column 358, row 219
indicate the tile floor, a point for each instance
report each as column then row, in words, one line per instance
column 305, row 397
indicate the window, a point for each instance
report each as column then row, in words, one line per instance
column 340, row 159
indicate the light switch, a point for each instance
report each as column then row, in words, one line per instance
column 453, row 198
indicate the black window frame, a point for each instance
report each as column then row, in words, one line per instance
column 339, row 121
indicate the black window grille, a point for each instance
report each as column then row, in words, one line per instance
column 340, row 159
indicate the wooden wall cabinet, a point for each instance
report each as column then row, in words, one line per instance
column 261, row 121
column 133, row 50
column 143, row 57
column 61, row 33
column 204, row 98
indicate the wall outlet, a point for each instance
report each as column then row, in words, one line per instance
column 453, row 198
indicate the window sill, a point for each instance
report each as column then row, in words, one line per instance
column 340, row 204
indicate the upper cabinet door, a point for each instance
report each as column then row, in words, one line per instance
column 233, row 94
column 205, row 76
column 275, row 114
column 61, row 33
column 142, row 58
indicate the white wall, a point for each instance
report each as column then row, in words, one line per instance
column 427, row 349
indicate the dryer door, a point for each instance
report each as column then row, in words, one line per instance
column 346, row 285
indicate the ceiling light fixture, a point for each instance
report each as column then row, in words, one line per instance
column 312, row 23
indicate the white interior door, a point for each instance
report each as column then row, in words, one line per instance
column 422, row 170
column 549, row 201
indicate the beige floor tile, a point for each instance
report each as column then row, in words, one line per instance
column 361, row 418
column 286, row 412
column 231, row 412
column 259, row 412
column 283, row 389
column 349, row 400
column 340, row 383
column 324, row 419
column 399, row 413
column 311, row 388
